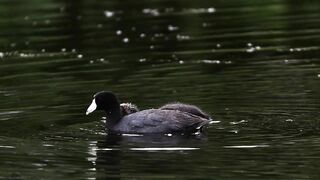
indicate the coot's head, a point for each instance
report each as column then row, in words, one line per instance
column 107, row 101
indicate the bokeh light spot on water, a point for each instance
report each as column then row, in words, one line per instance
column 289, row 120
column 248, row 146
column 173, row 28
column 207, row 61
column 142, row 35
column 7, row 147
column 182, row 37
column 109, row 14
column 253, row 49
column 153, row 12
column 142, row 60
column 118, row 32
column 200, row 10
column 125, row 40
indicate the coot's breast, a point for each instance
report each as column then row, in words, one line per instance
column 159, row 121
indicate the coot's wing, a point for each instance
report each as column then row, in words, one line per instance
column 186, row 108
column 160, row 121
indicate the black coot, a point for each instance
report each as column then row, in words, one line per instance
column 163, row 120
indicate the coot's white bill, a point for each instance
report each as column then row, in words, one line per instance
column 92, row 107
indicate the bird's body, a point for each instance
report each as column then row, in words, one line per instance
column 159, row 121
column 171, row 118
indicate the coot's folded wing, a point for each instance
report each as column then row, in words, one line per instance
column 160, row 121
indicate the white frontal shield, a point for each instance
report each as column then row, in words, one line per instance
column 92, row 107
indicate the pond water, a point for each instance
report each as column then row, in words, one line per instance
column 253, row 65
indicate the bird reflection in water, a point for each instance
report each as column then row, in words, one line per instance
column 110, row 152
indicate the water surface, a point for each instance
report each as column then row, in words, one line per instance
column 254, row 66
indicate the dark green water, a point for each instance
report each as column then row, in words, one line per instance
column 253, row 65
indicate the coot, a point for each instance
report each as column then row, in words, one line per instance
column 163, row 120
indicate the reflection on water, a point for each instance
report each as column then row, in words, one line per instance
column 254, row 66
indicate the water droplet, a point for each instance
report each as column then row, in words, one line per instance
column 249, row 44
column 63, row 50
column 91, row 62
column 239, row 122
column 118, row 32
column 1, row 54
column 158, row 35
column 218, row 45
column 173, row 28
column 181, row 62
column 80, row 56
column 43, row 50
column 142, row 60
column 152, row 47
column 153, row 12
column 250, row 50
column 169, row 9
column 205, row 24
column 200, row 10
column 99, row 25
column 23, row 55
column 174, row 57
column 207, row 61
column 142, row 35
column 318, row 75
column 125, row 40
column 211, row 10
column 108, row 14
column 62, row 9
column 182, row 37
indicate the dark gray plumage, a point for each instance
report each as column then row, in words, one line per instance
column 185, row 108
column 147, row 121
column 160, row 121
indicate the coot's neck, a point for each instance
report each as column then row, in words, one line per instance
column 113, row 116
